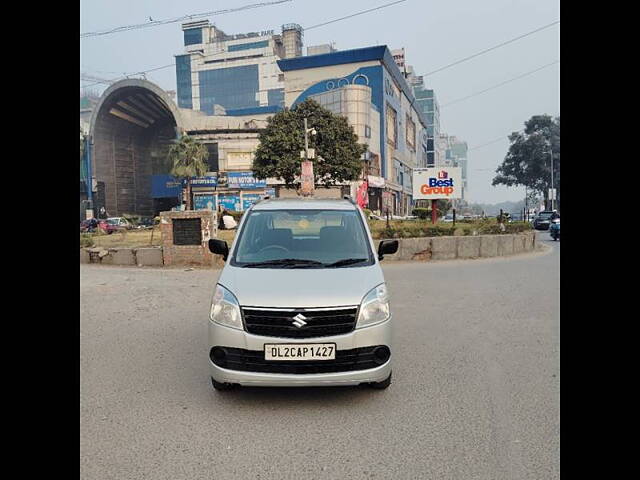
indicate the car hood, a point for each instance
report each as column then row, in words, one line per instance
column 300, row 288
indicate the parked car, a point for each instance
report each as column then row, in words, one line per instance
column 145, row 223
column 554, row 229
column 89, row 225
column 301, row 300
column 115, row 224
column 543, row 219
column 448, row 218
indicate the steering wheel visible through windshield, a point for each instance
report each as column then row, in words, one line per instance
column 302, row 239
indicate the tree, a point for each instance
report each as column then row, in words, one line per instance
column 188, row 159
column 338, row 153
column 528, row 161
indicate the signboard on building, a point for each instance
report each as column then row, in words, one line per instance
column 244, row 180
column 210, row 181
column 163, row 186
column 437, row 183
column 249, row 199
column 204, row 202
column 229, row 202
column 375, row 181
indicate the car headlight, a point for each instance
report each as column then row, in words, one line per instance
column 225, row 309
column 375, row 307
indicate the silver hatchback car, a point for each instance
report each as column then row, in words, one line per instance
column 301, row 300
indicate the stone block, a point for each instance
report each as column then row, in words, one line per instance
column 468, row 247
column 505, row 245
column 121, row 256
column 488, row 246
column 443, row 248
column 149, row 257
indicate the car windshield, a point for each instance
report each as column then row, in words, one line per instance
column 302, row 239
column 545, row 216
column 113, row 221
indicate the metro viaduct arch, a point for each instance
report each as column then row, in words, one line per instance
column 131, row 130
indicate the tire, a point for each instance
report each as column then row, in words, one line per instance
column 221, row 387
column 384, row 384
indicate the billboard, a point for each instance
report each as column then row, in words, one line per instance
column 437, row 183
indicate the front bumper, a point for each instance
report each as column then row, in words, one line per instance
column 364, row 337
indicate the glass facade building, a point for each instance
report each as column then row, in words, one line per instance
column 428, row 104
column 233, row 88
column 229, row 74
column 183, row 81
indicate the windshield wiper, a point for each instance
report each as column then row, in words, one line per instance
column 345, row 262
column 285, row 263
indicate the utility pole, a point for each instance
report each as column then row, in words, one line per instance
column 553, row 190
column 307, row 179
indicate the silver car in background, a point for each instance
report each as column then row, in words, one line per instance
column 301, row 300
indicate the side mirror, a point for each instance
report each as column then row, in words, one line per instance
column 387, row 246
column 219, row 247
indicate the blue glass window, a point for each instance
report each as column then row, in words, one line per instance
column 232, row 88
column 183, row 81
column 247, row 46
column 430, row 158
column 276, row 97
column 192, row 36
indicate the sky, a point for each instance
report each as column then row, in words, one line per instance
column 433, row 33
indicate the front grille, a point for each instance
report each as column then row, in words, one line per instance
column 346, row 361
column 280, row 323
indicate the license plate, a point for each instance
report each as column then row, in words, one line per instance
column 299, row 351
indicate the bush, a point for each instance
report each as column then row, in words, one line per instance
column 517, row 227
column 367, row 212
column 425, row 213
column 86, row 240
column 491, row 229
column 422, row 213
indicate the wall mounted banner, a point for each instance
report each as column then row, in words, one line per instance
column 437, row 183
column 243, row 180
column 202, row 182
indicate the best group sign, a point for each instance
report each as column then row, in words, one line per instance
column 437, row 183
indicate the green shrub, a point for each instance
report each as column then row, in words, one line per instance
column 492, row 229
column 422, row 213
column 367, row 212
column 517, row 227
column 86, row 240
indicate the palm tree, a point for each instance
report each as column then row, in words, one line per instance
column 188, row 159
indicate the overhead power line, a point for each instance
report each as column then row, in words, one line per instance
column 491, row 48
column 155, row 23
column 500, row 84
column 353, row 15
column 309, row 28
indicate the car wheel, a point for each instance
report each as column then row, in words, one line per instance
column 222, row 386
column 381, row 385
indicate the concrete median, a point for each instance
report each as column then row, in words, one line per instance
column 409, row 249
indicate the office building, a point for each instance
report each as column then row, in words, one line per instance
column 366, row 86
column 233, row 74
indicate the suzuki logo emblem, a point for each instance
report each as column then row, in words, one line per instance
column 299, row 320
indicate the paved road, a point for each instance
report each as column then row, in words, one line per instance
column 475, row 392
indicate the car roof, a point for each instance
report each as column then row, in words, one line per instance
column 304, row 204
